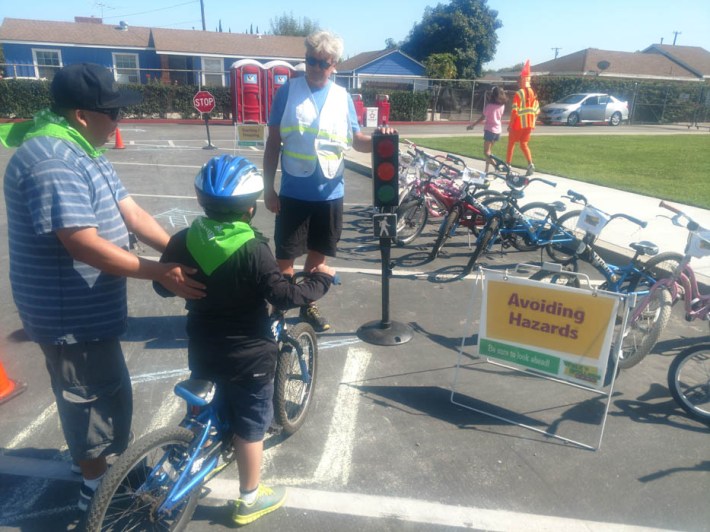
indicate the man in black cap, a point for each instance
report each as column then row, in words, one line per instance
column 68, row 221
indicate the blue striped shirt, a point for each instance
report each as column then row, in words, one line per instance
column 53, row 184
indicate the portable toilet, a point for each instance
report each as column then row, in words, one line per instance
column 277, row 73
column 247, row 91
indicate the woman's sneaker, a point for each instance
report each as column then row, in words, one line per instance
column 267, row 500
column 311, row 315
column 85, row 495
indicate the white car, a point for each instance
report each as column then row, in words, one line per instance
column 585, row 108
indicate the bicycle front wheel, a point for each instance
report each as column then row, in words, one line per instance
column 293, row 389
column 444, row 233
column 488, row 235
column 565, row 251
column 689, row 381
column 641, row 335
column 135, row 486
column 412, row 217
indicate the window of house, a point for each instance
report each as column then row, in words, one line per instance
column 212, row 72
column 125, row 67
column 47, row 63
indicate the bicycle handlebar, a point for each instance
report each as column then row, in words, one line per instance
column 691, row 225
column 638, row 222
column 576, row 197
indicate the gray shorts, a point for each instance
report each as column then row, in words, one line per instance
column 92, row 389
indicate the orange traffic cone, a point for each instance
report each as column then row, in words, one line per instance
column 8, row 387
column 119, row 141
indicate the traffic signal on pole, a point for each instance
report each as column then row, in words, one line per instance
column 385, row 168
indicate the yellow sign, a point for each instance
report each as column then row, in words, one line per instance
column 252, row 133
column 558, row 330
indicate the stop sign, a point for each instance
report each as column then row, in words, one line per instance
column 203, row 102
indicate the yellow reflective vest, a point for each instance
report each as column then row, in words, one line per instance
column 310, row 138
column 525, row 109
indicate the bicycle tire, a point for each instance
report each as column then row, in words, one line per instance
column 558, row 278
column 489, row 232
column 444, row 233
column 292, row 396
column 564, row 252
column 663, row 265
column 641, row 335
column 689, row 381
column 412, row 216
column 537, row 213
column 116, row 506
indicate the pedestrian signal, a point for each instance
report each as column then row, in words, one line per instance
column 385, row 165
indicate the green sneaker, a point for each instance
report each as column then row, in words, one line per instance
column 267, row 500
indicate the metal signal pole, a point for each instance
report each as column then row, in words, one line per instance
column 202, row 9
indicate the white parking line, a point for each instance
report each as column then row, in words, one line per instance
column 335, row 462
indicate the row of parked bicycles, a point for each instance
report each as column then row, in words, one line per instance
column 460, row 198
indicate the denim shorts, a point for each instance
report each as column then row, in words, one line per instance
column 250, row 407
column 92, row 389
column 489, row 136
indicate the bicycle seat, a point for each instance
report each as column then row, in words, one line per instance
column 196, row 392
column 644, row 248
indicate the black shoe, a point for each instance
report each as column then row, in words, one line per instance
column 312, row 315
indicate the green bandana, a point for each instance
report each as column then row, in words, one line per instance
column 44, row 124
column 211, row 243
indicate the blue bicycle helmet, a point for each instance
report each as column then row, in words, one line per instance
column 228, row 185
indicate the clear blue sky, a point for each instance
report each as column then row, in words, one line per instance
column 531, row 28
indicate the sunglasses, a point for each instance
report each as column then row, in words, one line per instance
column 322, row 63
column 113, row 114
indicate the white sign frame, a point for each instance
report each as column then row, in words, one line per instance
column 566, row 380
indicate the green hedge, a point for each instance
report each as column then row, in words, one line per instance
column 405, row 106
column 21, row 98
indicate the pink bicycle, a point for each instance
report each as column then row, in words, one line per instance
column 689, row 373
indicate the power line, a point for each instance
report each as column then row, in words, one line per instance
column 152, row 10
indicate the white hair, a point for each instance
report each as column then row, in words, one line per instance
column 325, row 42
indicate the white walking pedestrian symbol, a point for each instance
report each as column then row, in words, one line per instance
column 384, row 228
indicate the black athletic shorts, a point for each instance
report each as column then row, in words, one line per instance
column 303, row 226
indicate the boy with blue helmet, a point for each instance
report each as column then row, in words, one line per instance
column 229, row 338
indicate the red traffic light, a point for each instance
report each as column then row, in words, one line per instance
column 385, row 165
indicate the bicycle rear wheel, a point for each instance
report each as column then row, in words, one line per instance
column 689, row 381
column 137, row 484
column 488, row 234
column 293, row 390
column 641, row 335
column 412, row 217
column 542, row 217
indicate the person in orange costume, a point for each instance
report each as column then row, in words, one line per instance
column 522, row 118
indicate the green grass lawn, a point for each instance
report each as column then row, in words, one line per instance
column 670, row 167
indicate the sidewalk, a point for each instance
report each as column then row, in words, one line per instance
column 619, row 233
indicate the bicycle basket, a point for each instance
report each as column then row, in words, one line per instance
column 592, row 220
column 699, row 245
column 517, row 182
column 475, row 177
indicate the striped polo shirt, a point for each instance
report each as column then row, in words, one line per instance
column 53, row 184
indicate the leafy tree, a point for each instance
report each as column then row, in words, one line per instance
column 440, row 67
column 464, row 28
column 390, row 44
column 289, row 25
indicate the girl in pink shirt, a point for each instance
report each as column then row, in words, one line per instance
column 492, row 114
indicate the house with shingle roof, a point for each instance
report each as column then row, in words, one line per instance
column 384, row 67
column 38, row 48
column 657, row 62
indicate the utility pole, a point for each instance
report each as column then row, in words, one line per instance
column 202, row 8
column 675, row 36
column 557, row 51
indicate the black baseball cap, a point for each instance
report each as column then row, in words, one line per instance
column 91, row 87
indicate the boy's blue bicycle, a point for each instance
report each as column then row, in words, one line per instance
column 156, row 483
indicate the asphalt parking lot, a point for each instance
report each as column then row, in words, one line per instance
column 384, row 448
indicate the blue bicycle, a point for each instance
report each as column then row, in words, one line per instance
column 633, row 276
column 156, row 483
